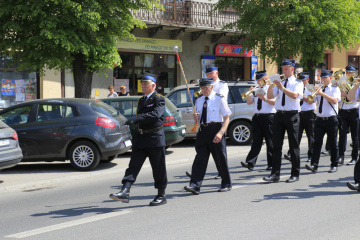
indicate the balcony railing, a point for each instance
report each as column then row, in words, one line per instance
column 188, row 13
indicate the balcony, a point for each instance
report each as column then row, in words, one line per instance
column 188, row 14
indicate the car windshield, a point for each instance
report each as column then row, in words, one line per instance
column 103, row 108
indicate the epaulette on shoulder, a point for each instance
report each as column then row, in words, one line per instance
column 159, row 95
column 220, row 95
column 222, row 81
column 334, row 86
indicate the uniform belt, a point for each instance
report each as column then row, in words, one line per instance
column 349, row 110
column 262, row 114
column 151, row 130
column 287, row 112
column 326, row 118
column 307, row 111
column 208, row 124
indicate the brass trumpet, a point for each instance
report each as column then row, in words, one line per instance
column 312, row 96
column 244, row 96
column 198, row 94
column 264, row 82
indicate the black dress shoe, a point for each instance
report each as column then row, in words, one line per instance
column 353, row 186
column 272, row 178
column 218, row 176
column 192, row 190
column 333, row 169
column 326, row 152
column 311, row 168
column 120, row 196
column 292, row 179
column 287, row 157
column 158, row 200
column 309, row 160
column 352, row 162
column 341, row 160
column 224, row 189
column 247, row 165
column 268, row 168
column 188, row 174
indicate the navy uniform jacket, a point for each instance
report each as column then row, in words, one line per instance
column 150, row 115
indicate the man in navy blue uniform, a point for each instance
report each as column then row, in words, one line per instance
column 214, row 114
column 148, row 142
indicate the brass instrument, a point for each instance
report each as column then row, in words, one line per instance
column 346, row 86
column 312, row 96
column 271, row 79
column 198, row 94
column 244, row 96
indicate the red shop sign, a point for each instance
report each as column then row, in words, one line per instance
column 231, row 50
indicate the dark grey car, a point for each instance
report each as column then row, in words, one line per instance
column 82, row 130
column 10, row 151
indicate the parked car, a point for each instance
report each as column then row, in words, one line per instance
column 239, row 130
column 10, row 151
column 173, row 127
column 82, row 130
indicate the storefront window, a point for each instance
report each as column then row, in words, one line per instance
column 16, row 87
column 230, row 68
column 134, row 65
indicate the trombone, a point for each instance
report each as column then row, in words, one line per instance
column 312, row 96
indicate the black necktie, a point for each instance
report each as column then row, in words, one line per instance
column 259, row 104
column 302, row 101
column 283, row 96
column 321, row 101
column 204, row 112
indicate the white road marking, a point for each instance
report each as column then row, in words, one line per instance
column 67, row 224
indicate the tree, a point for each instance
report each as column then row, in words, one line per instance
column 292, row 28
column 79, row 35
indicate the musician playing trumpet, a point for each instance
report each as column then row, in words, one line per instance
column 349, row 114
column 261, row 123
column 326, row 122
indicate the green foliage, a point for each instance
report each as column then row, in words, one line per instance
column 305, row 28
column 50, row 34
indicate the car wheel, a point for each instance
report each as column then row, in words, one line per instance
column 84, row 155
column 240, row 133
column 108, row 159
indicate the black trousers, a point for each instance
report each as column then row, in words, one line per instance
column 330, row 127
column 357, row 172
column 261, row 128
column 288, row 121
column 157, row 161
column 204, row 146
column 350, row 119
column 307, row 123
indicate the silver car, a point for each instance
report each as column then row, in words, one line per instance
column 239, row 130
column 10, row 151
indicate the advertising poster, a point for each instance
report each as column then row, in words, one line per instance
column 206, row 60
column 20, row 90
column 8, row 87
column 254, row 66
column 30, row 90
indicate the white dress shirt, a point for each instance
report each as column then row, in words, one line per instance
column 327, row 110
column 217, row 107
column 265, row 108
column 291, row 104
column 305, row 106
column 222, row 88
column 354, row 104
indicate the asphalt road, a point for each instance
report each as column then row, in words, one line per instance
column 52, row 201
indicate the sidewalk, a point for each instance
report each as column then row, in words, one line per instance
column 30, row 176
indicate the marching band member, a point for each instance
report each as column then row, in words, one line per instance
column 326, row 122
column 307, row 118
column 287, row 104
column 349, row 114
column 261, row 124
column 214, row 112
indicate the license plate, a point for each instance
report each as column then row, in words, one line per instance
column 127, row 143
column 4, row 142
column 183, row 131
